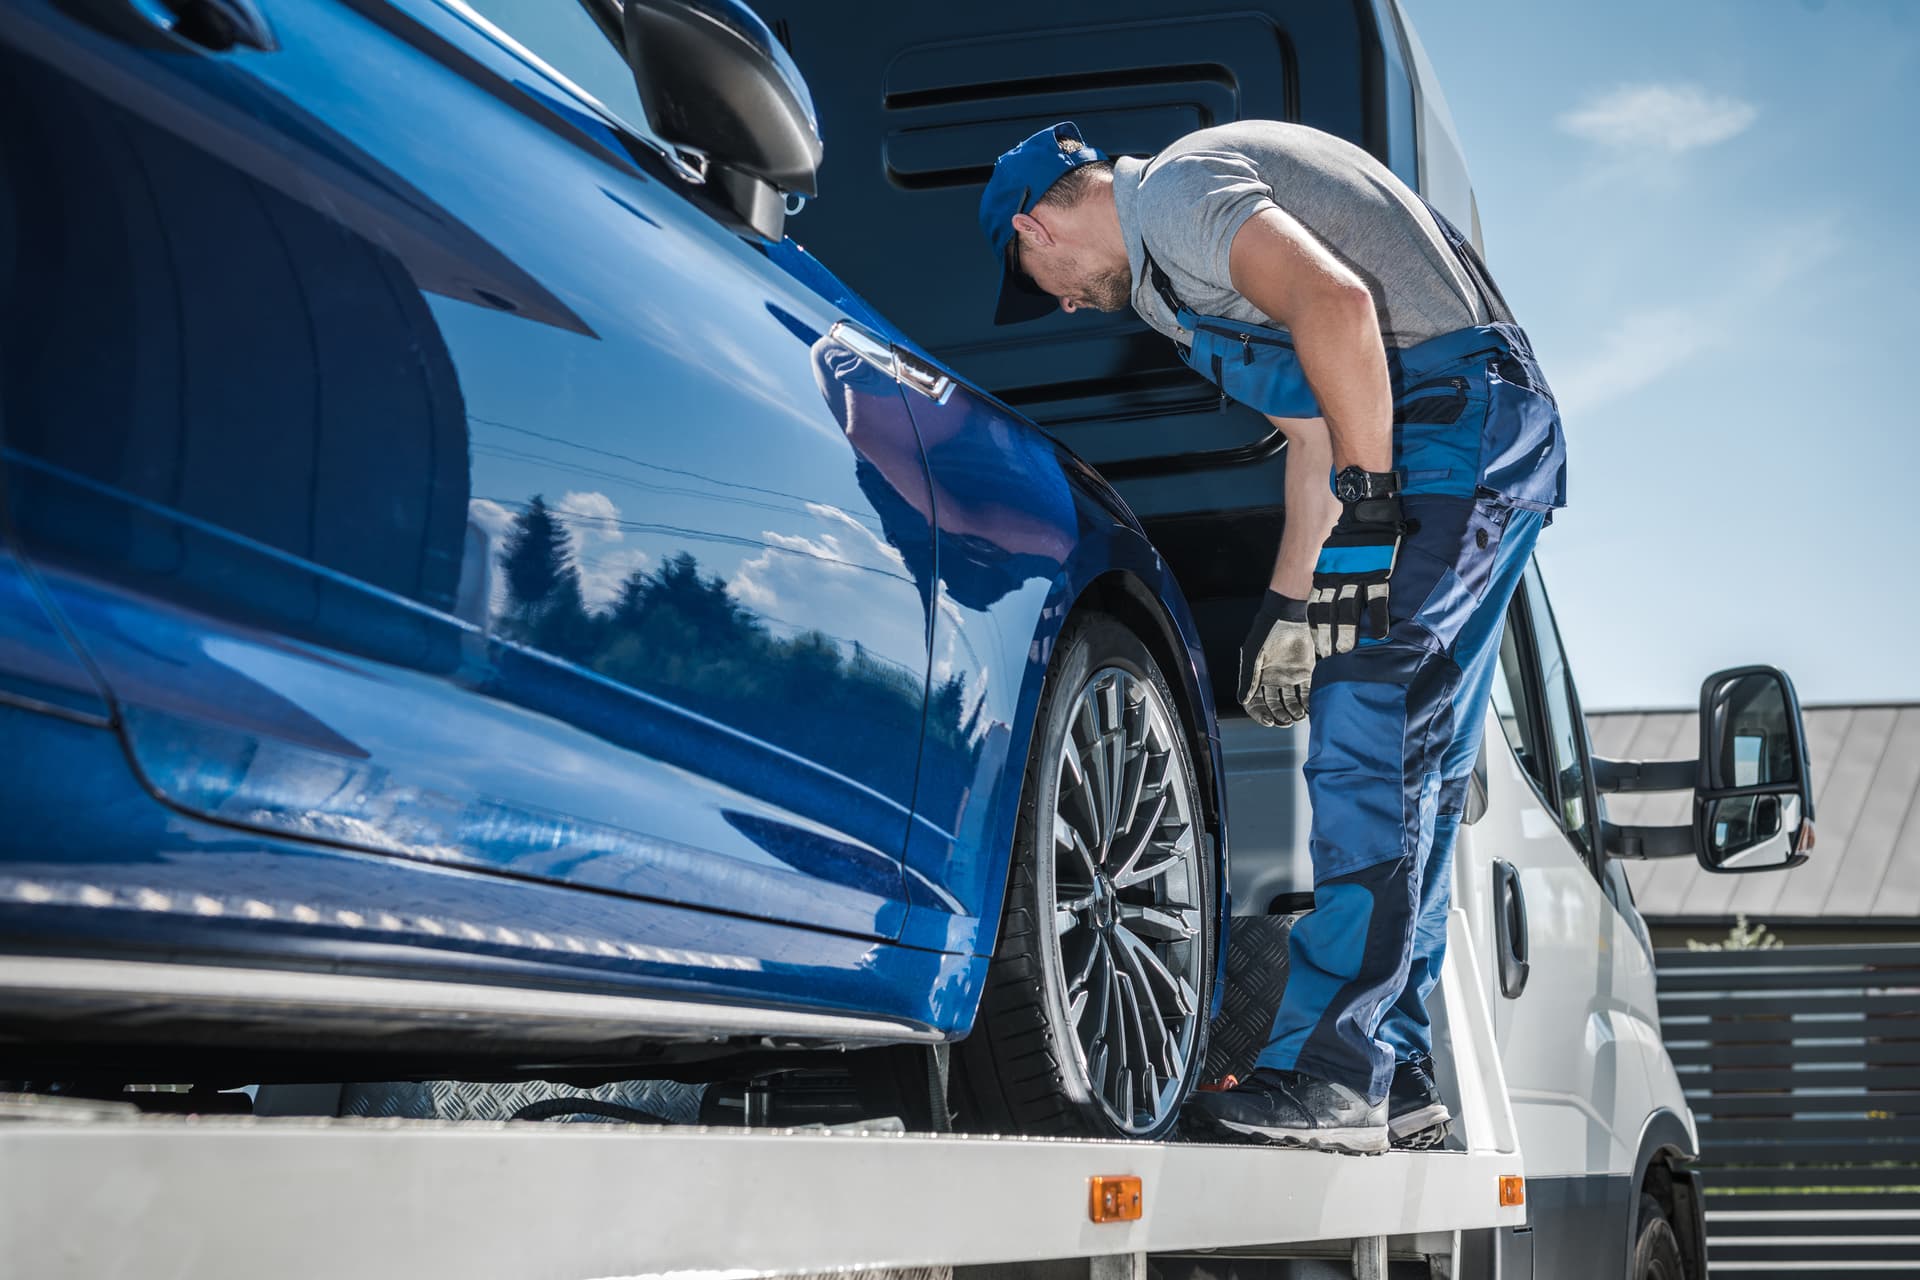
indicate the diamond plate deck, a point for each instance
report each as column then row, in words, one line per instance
column 1256, row 977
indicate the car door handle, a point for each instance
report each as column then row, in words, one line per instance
column 922, row 377
column 869, row 346
column 1510, row 929
column 903, row 368
column 216, row 25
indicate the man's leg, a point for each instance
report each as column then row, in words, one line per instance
column 1382, row 720
column 1379, row 717
column 1477, row 652
column 1416, row 1115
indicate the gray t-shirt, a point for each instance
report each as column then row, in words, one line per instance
column 1187, row 203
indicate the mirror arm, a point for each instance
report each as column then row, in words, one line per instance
column 1610, row 776
column 1646, row 842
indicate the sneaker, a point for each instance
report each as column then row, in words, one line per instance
column 1298, row 1110
column 1416, row 1118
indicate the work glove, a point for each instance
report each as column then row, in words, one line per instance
column 1349, row 600
column 1276, row 663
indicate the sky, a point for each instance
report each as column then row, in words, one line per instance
column 1705, row 215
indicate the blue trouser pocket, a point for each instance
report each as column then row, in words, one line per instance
column 1523, row 455
column 1504, row 442
column 1434, row 446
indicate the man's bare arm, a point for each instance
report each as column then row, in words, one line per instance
column 1311, row 506
column 1280, row 268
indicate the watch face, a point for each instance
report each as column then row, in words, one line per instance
column 1355, row 485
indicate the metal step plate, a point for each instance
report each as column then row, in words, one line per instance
column 1255, row 978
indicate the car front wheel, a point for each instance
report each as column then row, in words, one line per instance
column 1094, row 1018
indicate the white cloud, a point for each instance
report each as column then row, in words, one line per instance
column 592, row 522
column 1670, row 118
column 495, row 522
column 590, row 515
column 843, row 579
column 494, row 519
column 1646, row 343
column 850, row 553
column 602, row 573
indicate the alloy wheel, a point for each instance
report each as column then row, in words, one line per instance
column 1127, row 887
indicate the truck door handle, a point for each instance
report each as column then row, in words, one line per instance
column 217, row 25
column 1510, row 929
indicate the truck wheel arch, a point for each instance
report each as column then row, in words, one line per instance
column 1667, row 1148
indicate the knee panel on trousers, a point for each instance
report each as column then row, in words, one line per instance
column 1378, row 733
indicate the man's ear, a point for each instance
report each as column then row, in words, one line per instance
column 1034, row 229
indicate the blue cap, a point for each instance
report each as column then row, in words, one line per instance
column 1020, row 177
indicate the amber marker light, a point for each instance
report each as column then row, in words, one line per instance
column 1114, row 1199
column 1513, row 1190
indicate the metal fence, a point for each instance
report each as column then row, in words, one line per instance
column 1802, row 1065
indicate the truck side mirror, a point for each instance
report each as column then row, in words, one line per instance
column 1752, row 789
column 714, row 81
column 1754, row 796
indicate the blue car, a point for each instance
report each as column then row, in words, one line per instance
column 476, row 596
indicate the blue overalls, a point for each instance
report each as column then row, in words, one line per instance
column 1395, row 724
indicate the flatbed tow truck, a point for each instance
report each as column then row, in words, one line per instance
column 1572, row 1142
column 93, row 1189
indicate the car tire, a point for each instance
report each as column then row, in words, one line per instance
column 1062, row 1043
column 1656, row 1250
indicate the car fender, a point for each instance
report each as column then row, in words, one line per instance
column 991, row 649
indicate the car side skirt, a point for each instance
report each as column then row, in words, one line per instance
column 293, row 1004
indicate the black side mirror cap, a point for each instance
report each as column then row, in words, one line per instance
column 714, row 81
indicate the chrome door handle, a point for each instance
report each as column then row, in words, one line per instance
column 869, row 346
column 922, row 377
column 907, row 370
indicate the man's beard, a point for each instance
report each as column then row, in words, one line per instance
column 1110, row 291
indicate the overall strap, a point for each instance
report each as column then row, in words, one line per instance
column 1476, row 270
column 1164, row 287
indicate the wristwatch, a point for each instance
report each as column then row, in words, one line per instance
column 1355, row 485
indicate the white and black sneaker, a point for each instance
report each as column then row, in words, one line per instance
column 1296, row 1109
column 1417, row 1119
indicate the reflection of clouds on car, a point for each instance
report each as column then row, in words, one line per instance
column 592, row 522
column 591, row 515
column 492, row 518
column 595, row 534
column 487, row 526
column 800, row 596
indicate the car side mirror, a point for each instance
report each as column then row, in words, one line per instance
column 1754, row 796
column 715, row 83
column 1752, row 788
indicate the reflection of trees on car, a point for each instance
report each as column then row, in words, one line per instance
column 547, row 610
column 682, row 635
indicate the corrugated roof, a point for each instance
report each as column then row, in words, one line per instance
column 1866, row 778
